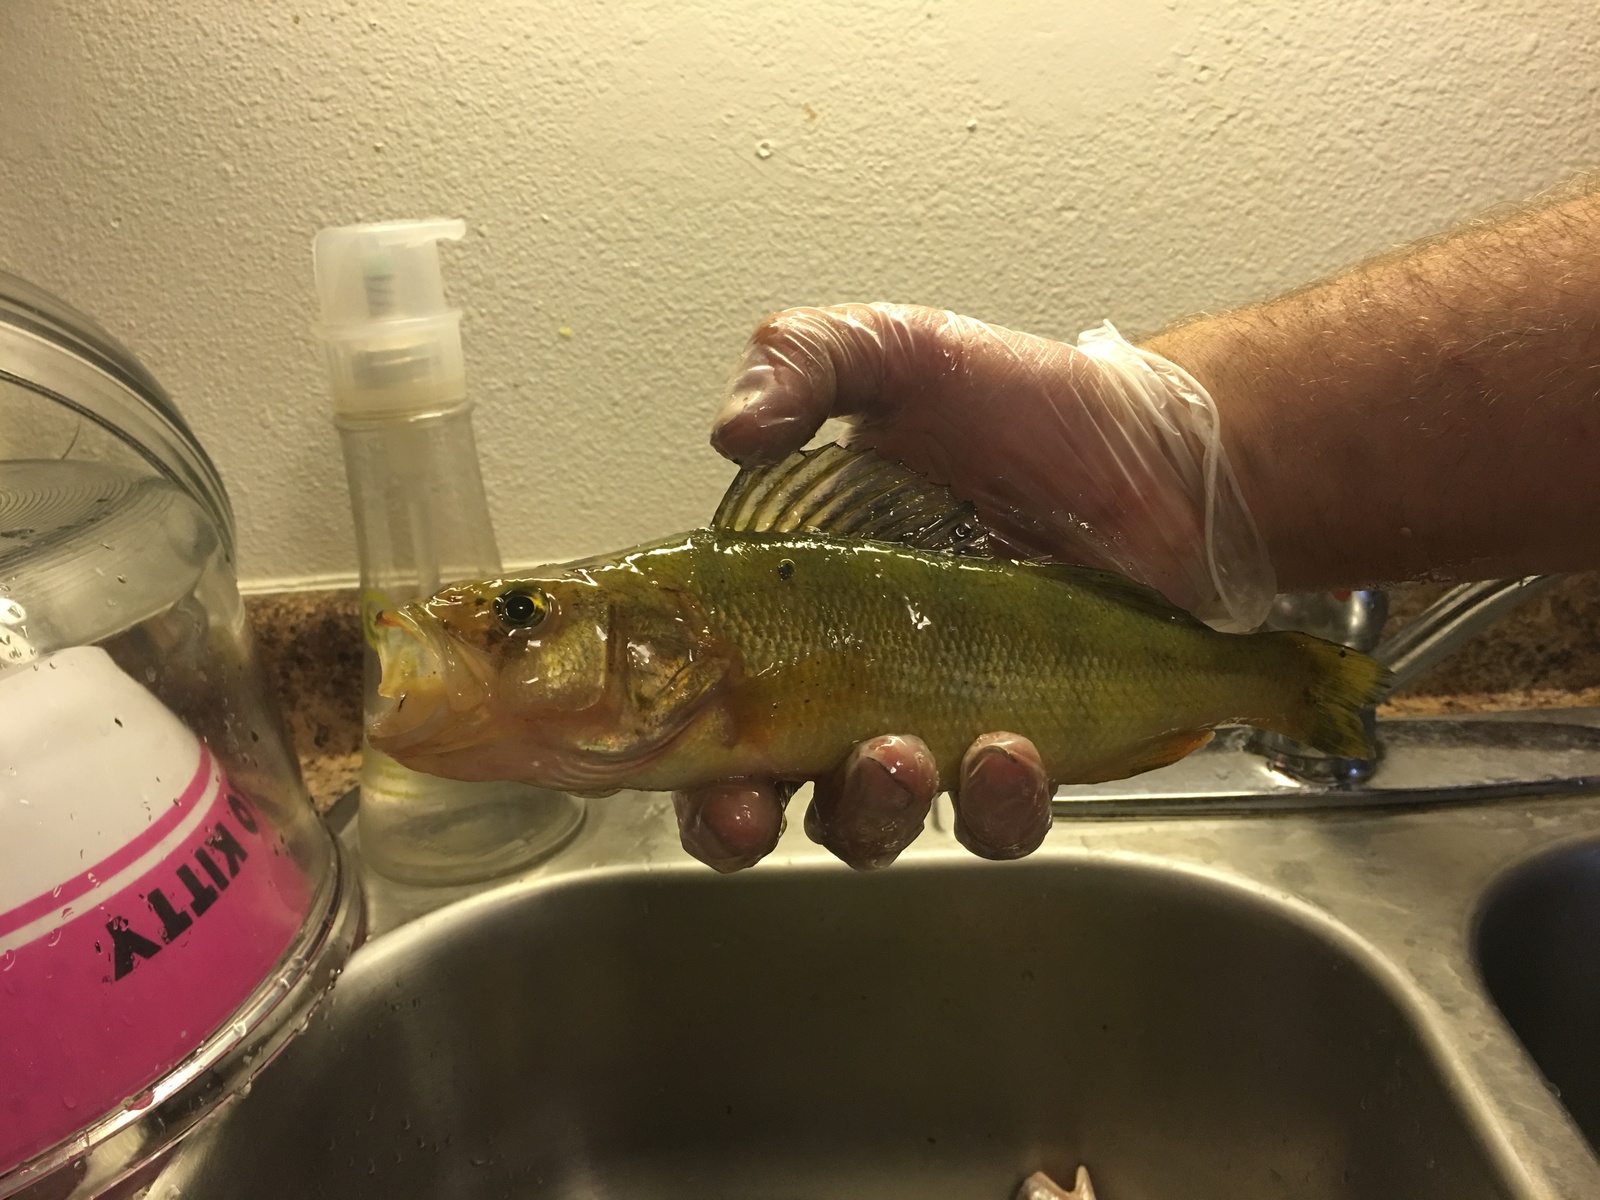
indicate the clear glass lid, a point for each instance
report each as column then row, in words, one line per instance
column 103, row 405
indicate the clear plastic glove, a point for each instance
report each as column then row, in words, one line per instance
column 1098, row 454
column 875, row 804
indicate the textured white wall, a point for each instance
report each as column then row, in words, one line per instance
column 1042, row 163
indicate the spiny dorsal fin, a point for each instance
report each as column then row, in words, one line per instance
column 850, row 493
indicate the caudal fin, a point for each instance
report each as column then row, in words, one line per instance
column 1335, row 683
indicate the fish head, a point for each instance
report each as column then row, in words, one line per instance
column 564, row 678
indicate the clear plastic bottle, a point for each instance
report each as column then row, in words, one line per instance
column 399, row 391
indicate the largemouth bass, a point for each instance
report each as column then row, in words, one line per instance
column 835, row 597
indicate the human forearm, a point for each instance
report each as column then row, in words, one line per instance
column 1436, row 412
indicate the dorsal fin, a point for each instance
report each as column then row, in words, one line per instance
column 850, row 493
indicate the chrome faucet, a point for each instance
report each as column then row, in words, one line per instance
column 1456, row 616
column 1356, row 619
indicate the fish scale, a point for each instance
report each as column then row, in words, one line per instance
column 862, row 639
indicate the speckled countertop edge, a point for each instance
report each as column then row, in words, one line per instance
column 1544, row 655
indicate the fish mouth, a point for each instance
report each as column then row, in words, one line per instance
column 428, row 694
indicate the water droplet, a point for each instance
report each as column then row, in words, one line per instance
column 55, row 892
column 68, row 1100
column 140, row 1102
column 8, row 960
column 54, row 938
column 764, row 148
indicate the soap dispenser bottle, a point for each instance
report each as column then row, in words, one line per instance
column 400, row 403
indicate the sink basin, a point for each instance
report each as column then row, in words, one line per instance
column 1539, row 949
column 935, row 1031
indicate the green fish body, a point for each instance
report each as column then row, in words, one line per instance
column 768, row 654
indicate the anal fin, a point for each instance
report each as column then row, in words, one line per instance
column 1160, row 751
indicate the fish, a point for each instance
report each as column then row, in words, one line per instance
column 835, row 596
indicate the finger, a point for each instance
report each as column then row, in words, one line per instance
column 875, row 804
column 1003, row 800
column 805, row 365
column 730, row 825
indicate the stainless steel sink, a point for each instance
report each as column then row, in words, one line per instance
column 1539, row 945
column 1234, row 1007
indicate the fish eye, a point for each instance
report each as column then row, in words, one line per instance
column 519, row 609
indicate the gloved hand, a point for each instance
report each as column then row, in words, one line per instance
column 1100, row 455
column 875, row 804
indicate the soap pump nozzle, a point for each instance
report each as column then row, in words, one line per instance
column 392, row 343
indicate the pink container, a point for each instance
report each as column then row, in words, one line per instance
column 112, row 973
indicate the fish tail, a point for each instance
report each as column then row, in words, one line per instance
column 1332, row 685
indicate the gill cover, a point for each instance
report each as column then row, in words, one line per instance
column 664, row 663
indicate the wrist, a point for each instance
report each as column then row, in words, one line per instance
column 1185, row 478
column 1222, row 357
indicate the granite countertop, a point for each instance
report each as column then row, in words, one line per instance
column 310, row 648
column 1544, row 655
